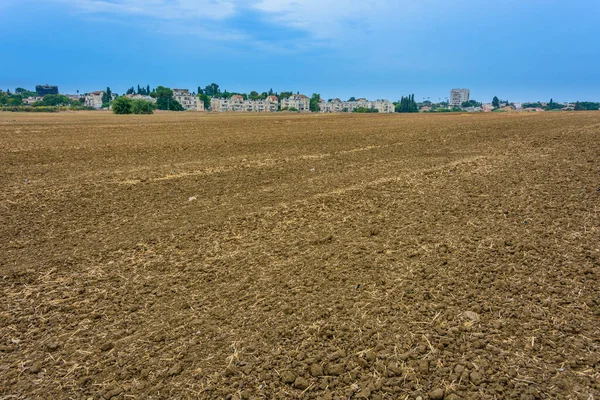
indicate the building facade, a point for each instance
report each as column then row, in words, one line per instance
column 94, row 99
column 298, row 101
column 187, row 100
column 459, row 96
column 236, row 103
column 43, row 90
column 336, row 105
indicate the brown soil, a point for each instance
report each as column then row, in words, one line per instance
column 287, row 256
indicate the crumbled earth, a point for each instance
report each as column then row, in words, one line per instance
column 290, row 256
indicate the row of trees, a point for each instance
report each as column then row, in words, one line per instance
column 144, row 91
column 407, row 105
column 50, row 100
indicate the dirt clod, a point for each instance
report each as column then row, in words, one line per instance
column 316, row 370
column 301, row 383
column 288, row 377
column 437, row 394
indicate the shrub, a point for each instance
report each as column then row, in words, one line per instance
column 125, row 105
column 142, row 107
column 122, row 105
column 30, row 109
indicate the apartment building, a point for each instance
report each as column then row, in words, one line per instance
column 336, row 105
column 459, row 96
column 298, row 101
column 236, row 103
column 187, row 100
column 94, row 99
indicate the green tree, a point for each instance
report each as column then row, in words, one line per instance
column 407, row 105
column 553, row 106
column 365, row 110
column 15, row 100
column 352, row 98
column 206, row 100
column 314, row 102
column 286, row 95
column 212, row 90
column 3, row 98
column 107, row 97
column 140, row 106
column 122, row 105
column 496, row 102
column 55, row 100
column 25, row 93
column 254, row 95
column 470, row 103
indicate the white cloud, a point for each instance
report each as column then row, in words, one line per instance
column 161, row 9
column 327, row 18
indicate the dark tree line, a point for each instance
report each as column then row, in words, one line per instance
column 407, row 105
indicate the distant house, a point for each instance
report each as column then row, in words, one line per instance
column 425, row 109
column 298, row 101
column 31, row 100
column 141, row 97
column 236, row 103
column 487, row 107
column 518, row 106
column 336, row 105
column 505, row 108
column 187, row 100
column 94, row 99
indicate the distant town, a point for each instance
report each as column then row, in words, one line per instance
column 144, row 100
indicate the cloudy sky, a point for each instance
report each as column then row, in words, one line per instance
column 515, row 49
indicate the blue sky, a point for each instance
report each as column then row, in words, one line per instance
column 515, row 49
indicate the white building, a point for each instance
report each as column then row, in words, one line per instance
column 187, row 100
column 236, row 103
column 298, row 101
column 459, row 96
column 141, row 97
column 94, row 99
column 336, row 105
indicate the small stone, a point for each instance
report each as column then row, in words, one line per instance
column 316, row 370
column 288, row 377
column 437, row 394
column 301, row 383
column 364, row 394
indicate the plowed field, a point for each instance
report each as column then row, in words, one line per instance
column 288, row 256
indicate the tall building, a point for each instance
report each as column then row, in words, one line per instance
column 187, row 100
column 43, row 90
column 459, row 96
